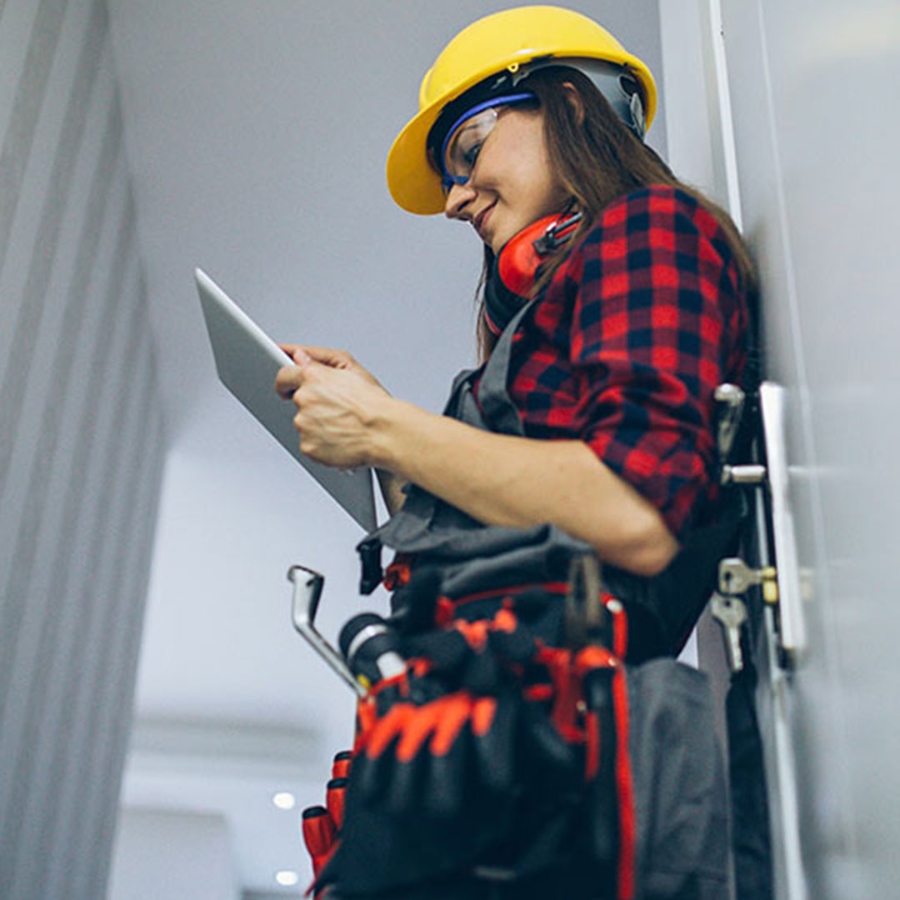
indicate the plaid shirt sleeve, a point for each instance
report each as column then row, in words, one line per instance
column 659, row 320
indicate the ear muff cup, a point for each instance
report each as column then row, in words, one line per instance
column 518, row 262
column 516, row 268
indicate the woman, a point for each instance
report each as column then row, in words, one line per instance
column 614, row 302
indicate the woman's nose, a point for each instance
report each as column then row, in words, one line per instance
column 458, row 198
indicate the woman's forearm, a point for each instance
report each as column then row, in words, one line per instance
column 507, row 480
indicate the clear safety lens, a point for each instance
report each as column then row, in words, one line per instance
column 465, row 144
column 466, row 138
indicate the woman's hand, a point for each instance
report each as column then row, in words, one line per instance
column 335, row 359
column 346, row 419
column 338, row 402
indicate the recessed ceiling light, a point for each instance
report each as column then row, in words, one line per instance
column 284, row 800
column 287, row 877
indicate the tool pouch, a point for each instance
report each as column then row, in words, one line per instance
column 606, row 779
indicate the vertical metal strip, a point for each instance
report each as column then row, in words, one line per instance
column 31, row 309
column 25, row 717
column 16, row 583
column 788, row 636
column 722, row 98
column 792, row 630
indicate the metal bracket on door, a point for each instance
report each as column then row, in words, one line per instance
column 791, row 627
column 778, row 573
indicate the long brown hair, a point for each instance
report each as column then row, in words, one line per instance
column 598, row 160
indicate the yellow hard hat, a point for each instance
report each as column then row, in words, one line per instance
column 504, row 41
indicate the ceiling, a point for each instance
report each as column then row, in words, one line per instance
column 256, row 135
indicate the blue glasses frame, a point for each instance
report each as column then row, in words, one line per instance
column 448, row 180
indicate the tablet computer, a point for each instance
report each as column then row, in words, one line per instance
column 247, row 360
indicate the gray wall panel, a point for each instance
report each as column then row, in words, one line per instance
column 102, row 553
column 813, row 83
column 106, row 695
column 58, row 572
column 109, row 545
column 32, row 87
column 95, row 554
column 52, row 389
column 81, row 450
column 136, row 578
column 16, row 23
column 28, row 326
column 42, row 204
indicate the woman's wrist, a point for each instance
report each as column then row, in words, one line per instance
column 389, row 417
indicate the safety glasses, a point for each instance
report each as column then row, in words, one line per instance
column 467, row 135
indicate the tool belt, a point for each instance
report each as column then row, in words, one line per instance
column 496, row 758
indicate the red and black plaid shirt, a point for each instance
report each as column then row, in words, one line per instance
column 628, row 343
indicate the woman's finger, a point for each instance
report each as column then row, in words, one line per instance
column 337, row 359
column 328, row 356
column 288, row 380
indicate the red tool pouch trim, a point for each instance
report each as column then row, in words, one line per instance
column 619, row 624
column 592, row 747
column 566, row 692
column 625, row 789
column 366, row 716
column 590, row 659
column 398, row 573
column 552, row 587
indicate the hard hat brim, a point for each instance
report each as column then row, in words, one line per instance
column 412, row 181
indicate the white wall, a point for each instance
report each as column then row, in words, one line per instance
column 812, row 85
column 166, row 855
column 688, row 108
column 814, row 90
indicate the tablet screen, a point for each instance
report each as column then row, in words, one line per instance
column 247, row 360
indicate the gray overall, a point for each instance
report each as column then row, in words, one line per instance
column 680, row 795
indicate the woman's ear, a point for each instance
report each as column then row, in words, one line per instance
column 575, row 100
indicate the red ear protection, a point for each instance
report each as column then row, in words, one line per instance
column 520, row 257
column 515, row 269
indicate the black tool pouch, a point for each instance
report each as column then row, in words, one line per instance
column 649, row 824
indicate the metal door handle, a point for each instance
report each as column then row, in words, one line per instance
column 792, row 626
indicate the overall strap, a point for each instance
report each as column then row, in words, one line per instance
column 499, row 412
column 426, row 523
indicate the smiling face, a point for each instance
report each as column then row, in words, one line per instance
column 512, row 183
